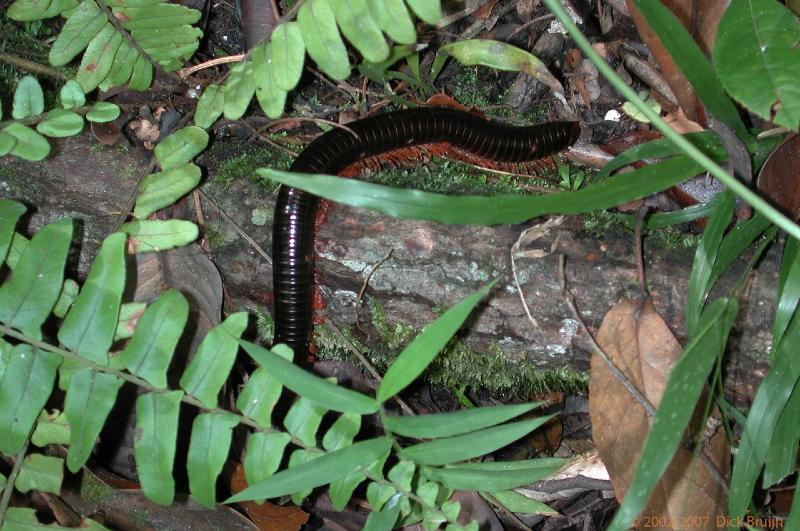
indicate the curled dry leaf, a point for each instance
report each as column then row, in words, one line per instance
column 268, row 515
column 642, row 346
column 779, row 178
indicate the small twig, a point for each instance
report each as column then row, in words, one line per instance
column 237, row 228
column 638, row 242
column 33, row 66
column 530, row 23
column 9, row 487
column 183, row 73
column 290, row 119
column 365, row 362
column 366, row 283
column 618, row 374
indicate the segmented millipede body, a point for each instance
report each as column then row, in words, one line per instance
column 293, row 223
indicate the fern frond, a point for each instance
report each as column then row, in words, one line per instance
column 121, row 41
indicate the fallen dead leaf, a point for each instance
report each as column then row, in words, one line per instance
column 680, row 123
column 642, row 346
column 268, row 516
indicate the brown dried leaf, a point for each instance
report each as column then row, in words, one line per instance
column 779, row 178
column 268, row 516
column 642, row 346
column 680, row 123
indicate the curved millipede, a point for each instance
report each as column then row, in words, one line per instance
column 295, row 210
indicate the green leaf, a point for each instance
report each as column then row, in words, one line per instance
column 39, row 472
column 692, row 62
column 208, row 451
column 28, row 98
column 239, row 89
column 287, row 55
column 473, row 444
column 502, row 56
column 98, row 58
column 385, row 519
column 27, row 10
column 29, row 144
column 161, row 15
column 103, row 111
column 72, row 95
column 271, row 98
column 782, row 455
column 393, row 18
column 264, row 455
column 27, row 298
column 298, row 458
column 10, row 212
column 210, row 106
column 259, row 397
column 26, row 385
column 416, row 357
column 380, row 493
column 325, row 469
column 686, row 383
column 129, row 314
column 69, row 292
column 81, row 27
column 788, row 290
column 211, row 365
column 360, row 29
column 319, row 391
column 503, row 209
column 757, row 59
column 705, row 257
column 342, row 432
column 142, row 74
column 51, row 429
column 181, row 147
column 155, row 235
column 7, row 143
column 150, row 350
column 303, row 420
column 493, row 476
column 89, row 327
column 159, row 190
column 121, row 68
column 89, row 400
column 322, row 38
column 517, row 503
column 705, row 141
column 428, row 10
column 60, row 123
column 449, row 424
column 770, row 401
column 156, row 434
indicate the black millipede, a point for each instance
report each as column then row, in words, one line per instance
column 295, row 210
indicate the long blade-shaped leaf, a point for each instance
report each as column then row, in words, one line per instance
column 449, row 424
column 493, row 476
column 89, row 327
column 81, row 27
column 474, row 444
column 89, row 400
column 478, row 210
column 772, row 396
column 27, row 298
column 24, row 389
column 686, row 383
column 419, row 353
column 788, row 291
column 705, row 257
column 156, row 434
column 320, row 471
column 305, row 384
